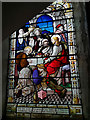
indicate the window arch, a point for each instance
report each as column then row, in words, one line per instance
column 46, row 23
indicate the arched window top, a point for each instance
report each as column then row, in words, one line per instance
column 44, row 18
column 45, row 22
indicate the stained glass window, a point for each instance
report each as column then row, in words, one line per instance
column 43, row 75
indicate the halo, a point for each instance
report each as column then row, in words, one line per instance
column 29, row 48
column 52, row 38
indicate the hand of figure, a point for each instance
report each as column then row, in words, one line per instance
column 46, row 61
column 46, row 54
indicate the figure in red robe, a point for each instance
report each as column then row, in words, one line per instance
column 54, row 62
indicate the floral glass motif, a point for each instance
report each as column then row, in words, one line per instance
column 43, row 68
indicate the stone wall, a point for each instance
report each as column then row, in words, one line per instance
column 82, row 41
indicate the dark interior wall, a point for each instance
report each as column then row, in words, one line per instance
column 88, row 27
column 82, row 40
column 0, row 63
column 82, row 53
column 15, row 15
column 5, row 50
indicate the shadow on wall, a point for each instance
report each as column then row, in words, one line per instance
column 5, row 51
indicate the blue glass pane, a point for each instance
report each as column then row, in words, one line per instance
column 26, row 25
column 50, row 24
column 66, row 36
column 39, row 19
column 44, row 18
column 45, row 31
column 50, row 29
column 41, row 25
column 45, row 26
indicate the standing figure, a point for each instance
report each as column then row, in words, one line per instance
column 30, row 35
column 23, row 41
column 37, row 33
column 63, row 34
column 64, row 38
column 20, row 41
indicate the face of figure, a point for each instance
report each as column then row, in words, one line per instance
column 27, row 50
column 55, row 39
column 61, row 28
column 21, row 31
column 45, row 43
column 37, row 32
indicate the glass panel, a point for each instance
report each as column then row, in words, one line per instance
column 13, row 35
column 41, row 25
column 11, row 69
column 13, row 44
column 49, row 24
column 12, row 54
